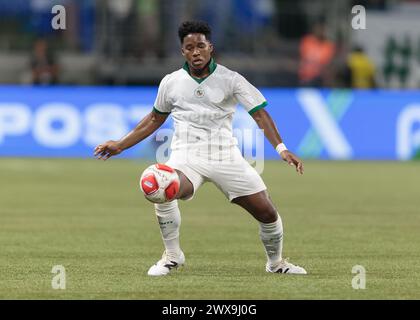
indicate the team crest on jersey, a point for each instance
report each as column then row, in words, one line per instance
column 199, row 92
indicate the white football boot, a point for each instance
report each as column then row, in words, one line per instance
column 285, row 266
column 165, row 265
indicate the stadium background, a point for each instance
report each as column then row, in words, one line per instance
column 64, row 91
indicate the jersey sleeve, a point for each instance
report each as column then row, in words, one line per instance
column 162, row 104
column 247, row 95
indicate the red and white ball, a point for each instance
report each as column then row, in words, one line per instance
column 159, row 183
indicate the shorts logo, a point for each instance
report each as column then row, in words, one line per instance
column 199, row 92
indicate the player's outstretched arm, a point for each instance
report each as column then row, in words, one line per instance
column 266, row 123
column 144, row 128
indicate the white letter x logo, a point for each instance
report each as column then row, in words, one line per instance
column 324, row 124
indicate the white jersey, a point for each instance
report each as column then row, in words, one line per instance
column 203, row 109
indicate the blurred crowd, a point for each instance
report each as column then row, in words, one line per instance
column 321, row 63
column 305, row 43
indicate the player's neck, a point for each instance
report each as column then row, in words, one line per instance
column 201, row 73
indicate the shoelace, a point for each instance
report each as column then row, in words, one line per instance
column 285, row 260
column 168, row 264
column 286, row 264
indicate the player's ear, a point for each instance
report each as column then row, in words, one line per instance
column 182, row 51
column 211, row 47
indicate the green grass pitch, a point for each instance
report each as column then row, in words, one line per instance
column 90, row 217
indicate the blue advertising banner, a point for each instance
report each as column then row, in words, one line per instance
column 321, row 124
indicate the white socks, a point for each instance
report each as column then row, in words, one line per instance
column 271, row 235
column 169, row 219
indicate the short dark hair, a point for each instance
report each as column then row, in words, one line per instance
column 188, row 27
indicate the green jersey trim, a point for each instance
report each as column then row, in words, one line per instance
column 159, row 112
column 262, row 105
column 212, row 67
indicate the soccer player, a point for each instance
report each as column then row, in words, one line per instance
column 201, row 97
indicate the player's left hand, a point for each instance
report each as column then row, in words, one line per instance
column 107, row 149
column 293, row 160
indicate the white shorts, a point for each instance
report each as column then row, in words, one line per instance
column 229, row 171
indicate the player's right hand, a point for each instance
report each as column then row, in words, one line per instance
column 108, row 149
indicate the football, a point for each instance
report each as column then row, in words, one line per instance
column 159, row 183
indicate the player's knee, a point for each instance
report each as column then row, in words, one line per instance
column 267, row 214
column 186, row 188
column 163, row 209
